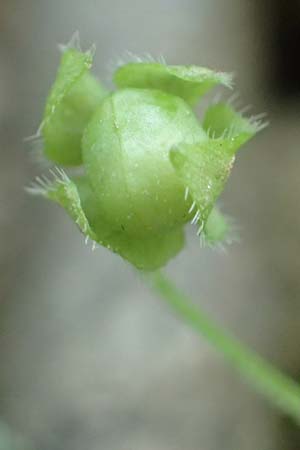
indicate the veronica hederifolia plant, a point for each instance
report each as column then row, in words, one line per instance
column 148, row 166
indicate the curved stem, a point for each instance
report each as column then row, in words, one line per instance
column 281, row 390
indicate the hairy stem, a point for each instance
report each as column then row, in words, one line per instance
column 281, row 390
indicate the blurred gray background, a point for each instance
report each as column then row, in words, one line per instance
column 90, row 359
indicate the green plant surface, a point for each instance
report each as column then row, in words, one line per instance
column 72, row 100
column 148, row 165
column 187, row 82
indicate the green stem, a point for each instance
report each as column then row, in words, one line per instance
column 279, row 388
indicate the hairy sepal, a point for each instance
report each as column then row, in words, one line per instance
column 187, row 82
column 71, row 103
column 222, row 121
column 204, row 169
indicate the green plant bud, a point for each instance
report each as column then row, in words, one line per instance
column 148, row 165
column 188, row 82
column 126, row 155
column 72, row 100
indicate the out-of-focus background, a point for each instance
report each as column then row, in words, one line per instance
column 89, row 358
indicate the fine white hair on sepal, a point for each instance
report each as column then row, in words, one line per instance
column 74, row 42
column 186, row 193
column 43, row 184
column 234, row 100
column 92, row 49
column 59, row 175
column 260, row 116
column 255, row 120
column 93, row 245
column 129, row 57
column 245, row 109
column 192, row 207
column 36, row 136
column 84, row 228
column 212, row 134
column 228, row 133
column 258, row 122
column 196, row 217
column 40, row 186
column 200, row 229
column 161, row 60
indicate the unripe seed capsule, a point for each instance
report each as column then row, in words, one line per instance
column 126, row 155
